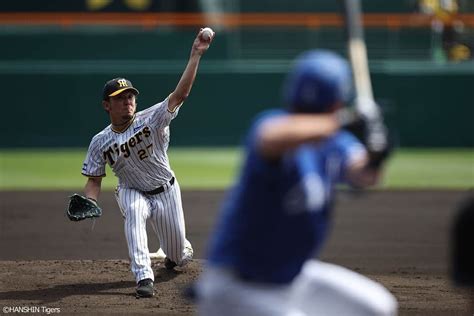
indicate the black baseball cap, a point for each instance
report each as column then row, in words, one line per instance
column 116, row 86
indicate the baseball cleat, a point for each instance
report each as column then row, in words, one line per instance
column 145, row 288
column 169, row 264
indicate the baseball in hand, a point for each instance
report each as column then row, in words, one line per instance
column 207, row 33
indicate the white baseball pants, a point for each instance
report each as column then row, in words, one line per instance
column 320, row 289
column 165, row 211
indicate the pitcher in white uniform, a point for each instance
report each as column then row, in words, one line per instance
column 135, row 145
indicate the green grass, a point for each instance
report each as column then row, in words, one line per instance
column 431, row 168
column 61, row 168
column 215, row 168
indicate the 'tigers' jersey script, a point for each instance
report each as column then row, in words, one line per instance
column 125, row 148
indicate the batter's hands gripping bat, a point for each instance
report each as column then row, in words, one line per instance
column 376, row 138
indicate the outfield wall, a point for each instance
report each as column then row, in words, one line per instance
column 52, row 82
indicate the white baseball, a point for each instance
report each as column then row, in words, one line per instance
column 207, row 33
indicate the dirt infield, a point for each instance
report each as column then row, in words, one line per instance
column 48, row 264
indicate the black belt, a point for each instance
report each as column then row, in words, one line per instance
column 160, row 189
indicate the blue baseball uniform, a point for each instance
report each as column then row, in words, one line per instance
column 281, row 204
column 278, row 215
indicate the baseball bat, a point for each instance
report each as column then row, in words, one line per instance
column 357, row 50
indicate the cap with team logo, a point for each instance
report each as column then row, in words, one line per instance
column 116, row 86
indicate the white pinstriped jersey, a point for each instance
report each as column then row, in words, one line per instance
column 138, row 154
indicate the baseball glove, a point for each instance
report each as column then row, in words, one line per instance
column 81, row 208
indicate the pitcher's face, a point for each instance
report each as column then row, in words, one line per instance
column 121, row 107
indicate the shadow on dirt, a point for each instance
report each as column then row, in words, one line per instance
column 58, row 292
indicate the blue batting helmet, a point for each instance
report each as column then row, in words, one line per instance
column 318, row 79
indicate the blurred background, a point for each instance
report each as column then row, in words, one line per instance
column 56, row 56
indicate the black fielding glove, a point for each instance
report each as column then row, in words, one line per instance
column 80, row 208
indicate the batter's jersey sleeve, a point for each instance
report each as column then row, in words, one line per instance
column 352, row 151
column 94, row 163
column 159, row 114
column 259, row 163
